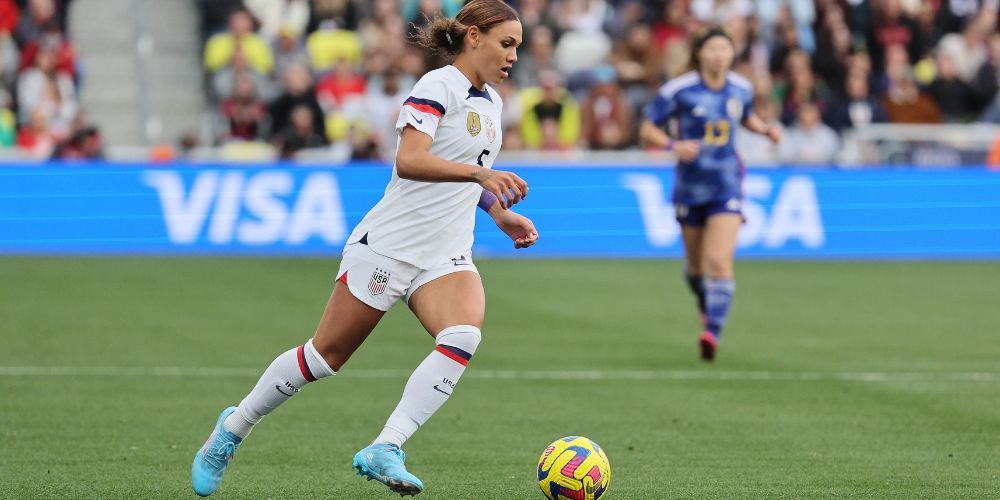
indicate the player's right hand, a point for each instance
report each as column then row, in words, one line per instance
column 687, row 150
column 507, row 186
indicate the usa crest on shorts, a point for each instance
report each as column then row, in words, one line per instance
column 378, row 281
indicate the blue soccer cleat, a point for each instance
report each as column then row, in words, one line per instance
column 211, row 460
column 384, row 463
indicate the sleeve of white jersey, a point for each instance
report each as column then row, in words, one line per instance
column 425, row 107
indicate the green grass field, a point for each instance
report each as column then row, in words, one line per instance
column 835, row 380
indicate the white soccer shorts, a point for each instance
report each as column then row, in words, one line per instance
column 380, row 281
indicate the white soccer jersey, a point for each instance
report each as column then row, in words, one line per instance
column 422, row 223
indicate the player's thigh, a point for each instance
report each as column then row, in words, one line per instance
column 692, row 236
column 453, row 299
column 345, row 325
column 719, row 244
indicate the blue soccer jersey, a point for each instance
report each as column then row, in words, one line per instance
column 711, row 117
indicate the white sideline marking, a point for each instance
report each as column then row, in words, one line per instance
column 180, row 371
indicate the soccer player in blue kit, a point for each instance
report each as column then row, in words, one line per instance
column 708, row 104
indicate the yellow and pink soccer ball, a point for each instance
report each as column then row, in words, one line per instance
column 574, row 468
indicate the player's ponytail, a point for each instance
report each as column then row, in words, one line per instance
column 446, row 37
column 443, row 36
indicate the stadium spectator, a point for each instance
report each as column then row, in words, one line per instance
column 987, row 83
column 513, row 112
column 51, row 39
column 953, row 15
column 817, row 51
column 539, row 57
column 578, row 52
column 278, row 15
column 8, row 122
column 809, row 141
column 345, row 13
column 967, row 51
column 34, row 137
column 551, row 117
column 582, row 16
column 383, row 98
column 339, row 87
column 953, row 94
column 800, row 14
column 300, row 133
column 856, row 106
column 224, row 80
column 606, row 115
column 834, row 43
column 341, row 96
column 215, row 14
column 10, row 15
column 414, row 11
column 534, row 14
column 636, row 64
column 800, row 86
column 84, row 142
column 720, row 12
column 384, row 29
column 330, row 44
column 623, row 17
column 244, row 111
column 220, row 48
column 34, row 21
column 904, row 102
column 672, row 27
column 288, row 50
column 298, row 91
column 46, row 89
column 891, row 25
column 9, row 61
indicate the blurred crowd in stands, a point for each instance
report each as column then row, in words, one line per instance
column 333, row 73
column 330, row 75
column 40, row 76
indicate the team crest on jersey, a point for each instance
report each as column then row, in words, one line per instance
column 734, row 107
column 378, row 282
column 473, row 124
column 491, row 131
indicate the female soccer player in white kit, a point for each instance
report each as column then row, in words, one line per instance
column 415, row 245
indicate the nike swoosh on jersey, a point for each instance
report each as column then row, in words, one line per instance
column 419, row 121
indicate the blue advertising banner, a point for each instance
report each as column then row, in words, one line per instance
column 614, row 211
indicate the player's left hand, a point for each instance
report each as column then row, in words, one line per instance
column 774, row 133
column 518, row 227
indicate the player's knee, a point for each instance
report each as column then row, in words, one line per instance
column 464, row 339
column 334, row 355
column 718, row 266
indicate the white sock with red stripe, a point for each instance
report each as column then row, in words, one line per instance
column 282, row 380
column 431, row 383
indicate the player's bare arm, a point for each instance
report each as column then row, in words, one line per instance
column 519, row 228
column 414, row 161
column 757, row 124
column 654, row 136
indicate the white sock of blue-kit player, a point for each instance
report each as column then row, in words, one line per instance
column 431, row 383
column 286, row 375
